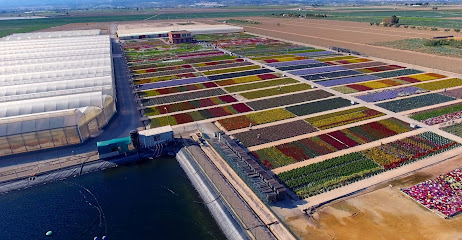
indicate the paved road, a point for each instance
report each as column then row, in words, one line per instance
column 125, row 120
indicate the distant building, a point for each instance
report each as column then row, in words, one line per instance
column 156, row 30
column 156, row 136
column 180, row 36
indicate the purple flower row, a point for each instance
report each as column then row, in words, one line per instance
column 311, row 54
column 173, row 83
column 363, row 65
column 390, row 94
column 291, row 63
column 316, row 70
column 348, row 80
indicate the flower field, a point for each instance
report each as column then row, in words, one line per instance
column 397, row 153
column 300, row 150
column 239, row 74
column 319, row 106
column 161, row 69
column 329, row 174
column 182, row 97
column 256, row 118
column 246, row 79
column 276, row 91
column 263, row 84
column 184, row 88
column 203, row 114
column 341, row 81
column 338, row 74
column 397, row 73
column 288, row 99
column 230, row 70
column 293, row 63
column 439, row 115
column 362, row 65
column 352, row 88
column 324, row 176
column 442, row 84
column 401, row 105
column 340, row 118
column 215, row 63
column 391, row 94
column 166, row 78
column 310, row 71
column 274, row 133
column 349, row 61
column 183, row 106
column 329, row 59
column 380, row 68
column 283, row 59
column 455, row 129
column 224, row 65
column 302, row 66
column 457, row 93
column 442, row 193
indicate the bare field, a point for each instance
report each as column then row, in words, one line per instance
column 355, row 36
column 380, row 213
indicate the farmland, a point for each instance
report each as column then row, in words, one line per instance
column 283, row 103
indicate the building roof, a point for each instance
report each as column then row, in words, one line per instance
column 50, row 80
column 128, row 30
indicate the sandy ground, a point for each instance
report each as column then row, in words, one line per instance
column 380, row 213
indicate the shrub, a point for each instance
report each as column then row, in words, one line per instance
column 434, row 29
column 371, row 23
column 447, row 29
column 413, row 27
column 406, row 26
column 456, row 30
column 377, row 24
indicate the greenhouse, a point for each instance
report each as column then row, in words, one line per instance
column 56, row 89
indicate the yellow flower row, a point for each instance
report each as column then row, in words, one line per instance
column 447, row 83
column 270, row 116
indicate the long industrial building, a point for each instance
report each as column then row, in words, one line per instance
column 56, row 89
column 156, row 30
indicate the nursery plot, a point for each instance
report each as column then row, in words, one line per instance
column 276, row 91
column 391, row 94
column 254, row 119
column 439, row 115
column 318, row 106
column 326, row 76
column 401, row 105
column 252, row 86
column 274, row 133
column 182, row 97
column 340, row 118
column 289, row 99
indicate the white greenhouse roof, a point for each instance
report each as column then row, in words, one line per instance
column 57, row 34
column 48, row 79
column 129, row 30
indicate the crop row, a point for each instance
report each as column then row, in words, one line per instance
column 380, row 68
column 230, row 70
column 289, row 99
column 254, row 119
column 439, row 115
column 182, row 97
column 292, row 63
column 316, row 54
column 318, row 106
column 325, row 76
column 283, row 59
column 442, row 84
column 341, row 81
column 360, row 65
column 246, row 79
column 349, row 61
column 397, row 73
column 274, row 133
column 226, row 65
column 166, row 78
column 455, row 129
column 302, row 66
column 387, row 83
column 214, row 63
column 457, row 93
column 198, row 115
column 405, row 104
column 183, row 106
column 161, row 69
column 276, row 91
column 252, row 86
column 300, row 150
column 391, row 94
column 336, row 172
column 329, row 174
column 184, row 88
column 340, row 118
column 163, row 73
column 239, row 74
column 399, row 152
column 310, row 71
column 329, row 59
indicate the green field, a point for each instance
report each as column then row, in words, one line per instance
column 28, row 25
column 417, row 44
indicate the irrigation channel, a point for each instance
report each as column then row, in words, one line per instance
column 152, row 199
